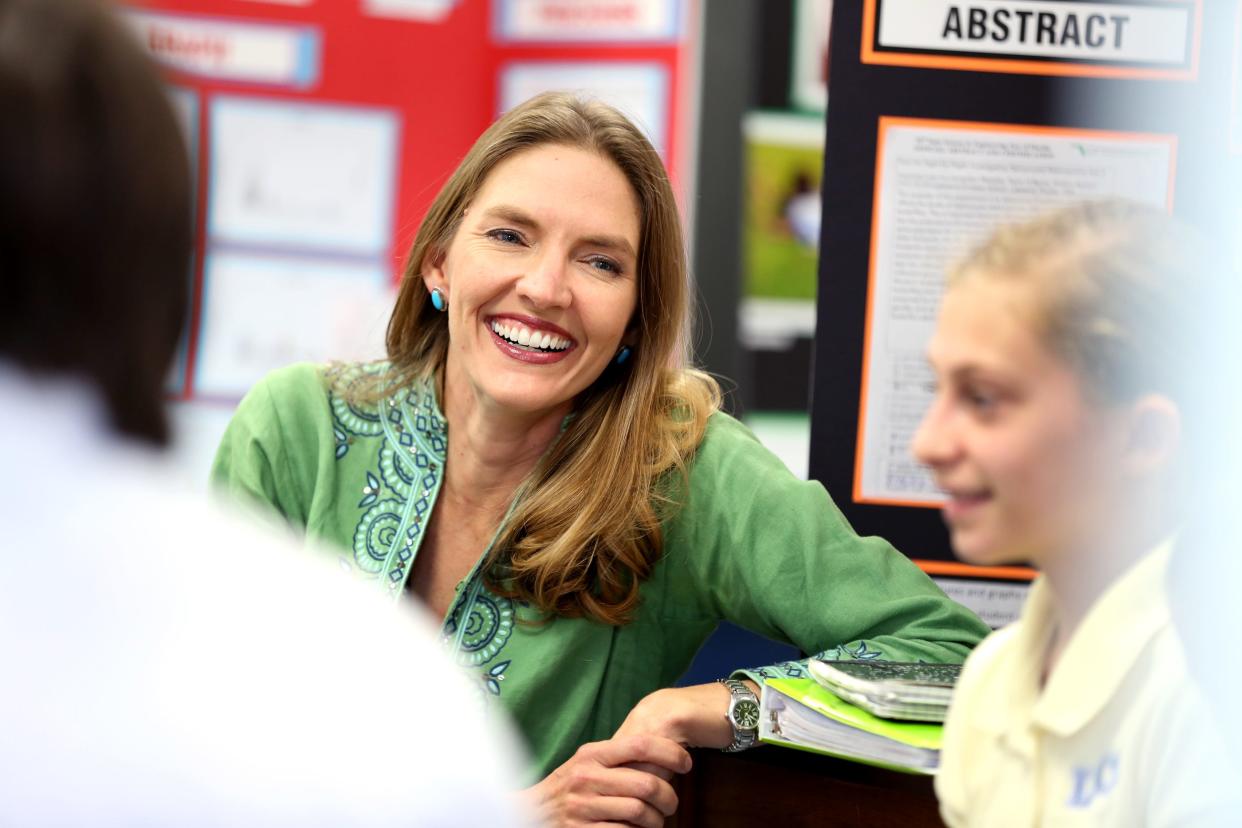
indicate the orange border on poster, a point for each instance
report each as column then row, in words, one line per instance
column 1060, row 68
column 961, row 570
column 889, row 121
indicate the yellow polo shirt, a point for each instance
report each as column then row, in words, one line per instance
column 1119, row 736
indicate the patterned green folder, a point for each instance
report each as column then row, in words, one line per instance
column 801, row 714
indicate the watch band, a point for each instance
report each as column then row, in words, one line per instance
column 743, row 715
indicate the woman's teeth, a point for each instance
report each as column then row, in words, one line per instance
column 527, row 338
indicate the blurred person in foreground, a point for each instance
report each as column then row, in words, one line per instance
column 151, row 675
column 538, row 464
column 1063, row 434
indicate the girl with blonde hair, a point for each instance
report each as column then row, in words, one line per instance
column 1063, row 357
column 539, row 465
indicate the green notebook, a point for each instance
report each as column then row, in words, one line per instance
column 800, row 713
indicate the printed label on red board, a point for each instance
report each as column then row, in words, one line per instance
column 586, row 20
column 226, row 50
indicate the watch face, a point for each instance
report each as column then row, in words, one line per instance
column 746, row 714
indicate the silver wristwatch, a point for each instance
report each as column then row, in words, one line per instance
column 743, row 714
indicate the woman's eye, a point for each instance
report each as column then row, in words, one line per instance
column 606, row 265
column 505, row 236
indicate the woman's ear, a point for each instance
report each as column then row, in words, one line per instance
column 630, row 337
column 1153, row 435
column 433, row 271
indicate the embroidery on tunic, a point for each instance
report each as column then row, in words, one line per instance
column 397, row 497
column 796, row 669
column 493, row 677
column 375, row 533
column 487, row 629
column 844, row 653
column 350, row 421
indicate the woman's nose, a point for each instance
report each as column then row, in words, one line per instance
column 546, row 280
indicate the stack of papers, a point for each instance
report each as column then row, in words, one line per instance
column 890, row 689
column 801, row 714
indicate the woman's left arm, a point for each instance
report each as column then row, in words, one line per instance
column 693, row 716
column 773, row 554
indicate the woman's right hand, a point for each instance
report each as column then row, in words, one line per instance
column 619, row 781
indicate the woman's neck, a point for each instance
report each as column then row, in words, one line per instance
column 491, row 450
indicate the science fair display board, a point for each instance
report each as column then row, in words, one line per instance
column 946, row 118
column 320, row 130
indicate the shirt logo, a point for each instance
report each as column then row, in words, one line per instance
column 1092, row 782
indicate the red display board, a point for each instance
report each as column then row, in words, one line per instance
column 419, row 79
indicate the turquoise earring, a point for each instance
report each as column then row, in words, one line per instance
column 438, row 301
column 623, row 355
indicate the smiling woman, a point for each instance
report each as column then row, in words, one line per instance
column 594, row 515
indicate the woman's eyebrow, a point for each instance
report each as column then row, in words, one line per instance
column 514, row 215
column 615, row 243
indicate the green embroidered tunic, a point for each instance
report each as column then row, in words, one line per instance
column 753, row 545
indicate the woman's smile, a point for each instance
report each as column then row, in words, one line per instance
column 530, row 340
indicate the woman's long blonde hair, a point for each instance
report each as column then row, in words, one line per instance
column 587, row 531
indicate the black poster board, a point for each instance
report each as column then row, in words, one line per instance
column 1193, row 103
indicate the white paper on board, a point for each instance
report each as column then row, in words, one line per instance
column 421, row 11
column 640, row 90
column 634, row 21
column 942, row 188
column 997, row 604
column 809, row 87
column 302, row 176
column 264, row 312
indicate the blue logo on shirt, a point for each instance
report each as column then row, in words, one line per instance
column 1093, row 782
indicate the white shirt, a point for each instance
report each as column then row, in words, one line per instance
column 1118, row 736
column 150, row 675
